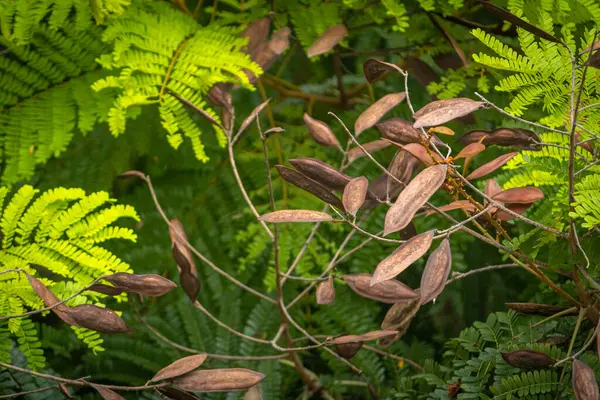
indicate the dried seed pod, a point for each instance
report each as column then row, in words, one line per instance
column 402, row 257
column 456, row 205
column 146, row 285
column 106, row 393
column 328, row 40
column 517, row 138
column 97, row 319
column 491, row 166
column 355, row 194
column 420, row 152
column 398, row 318
column 537, row 309
column 321, row 172
column 402, row 167
column 257, row 33
column 524, row 195
column 219, row 380
column 555, row 340
column 421, row 71
column 374, row 69
column 50, row 299
column 436, row 272
column 371, row 147
column 470, row 151
column 267, row 54
column 376, row 111
column 583, row 380
column 253, row 394
column 179, row 367
column 107, row 290
column 441, row 111
column 348, row 350
column 492, row 188
column 219, row 96
column 188, row 276
column 321, row 132
column 390, row 292
column 252, row 116
column 326, row 291
column 413, row 197
column 528, row 359
column 304, row 182
column 594, row 58
column 401, row 131
column 282, row 216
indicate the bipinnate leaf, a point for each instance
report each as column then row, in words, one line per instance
column 470, row 151
column 491, row 166
column 179, row 367
column 304, row 182
column 413, row 197
column 583, row 380
column 327, row 41
column 219, row 380
column 97, row 319
column 326, row 291
column 321, row 132
column 402, row 257
column 252, row 116
column 147, row 285
column 441, row 111
column 524, row 195
column 371, row 147
column 436, row 272
column 390, row 292
column 528, row 359
column 282, row 216
column 455, row 205
column 517, row 138
column 376, row 111
column 188, row 276
column 374, row 69
column 107, row 394
column 50, row 299
column 355, row 194
column 321, row 172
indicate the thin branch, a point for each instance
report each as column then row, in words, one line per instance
column 390, row 355
column 44, row 389
column 458, row 276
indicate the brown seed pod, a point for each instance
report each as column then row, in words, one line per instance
column 282, row 216
column 402, row 167
column 421, row 71
column 328, row 40
column 257, row 33
column 321, row 172
column 441, row 111
column 107, row 290
column 594, row 58
column 583, row 380
column 376, row 111
column 413, row 197
column 373, row 69
column 252, row 116
column 348, row 350
column 524, row 195
column 97, row 319
column 179, row 367
column 219, row 96
column 304, row 182
column 326, row 291
column 50, row 299
column 436, row 272
column 267, row 54
column 219, row 380
column 528, row 359
column 390, row 292
column 355, row 194
column 371, row 147
column 398, row 318
column 517, row 138
column 400, row 131
column 402, row 257
column 106, row 393
column 147, row 285
column 188, row 276
column 537, row 309
column 491, row 166
column 321, row 132
column 446, row 34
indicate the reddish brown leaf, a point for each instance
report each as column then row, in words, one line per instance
column 106, row 393
column 328, row 40
column 355, row 194
column 441, row 111
column 326, row 291
column 376, row 111
column 420, row 152
column 455, row 205
column 304, row 182
column 282, row 216
column 470, row 150
column 413, row 197
column 491, row 166
column 528, row 359
column 389, row 292
column 492, row 188
column 583, row 380
column 252, row 116
column 321, row 172
column 371, row 147
column 219, row 380
column 522, row 195
column 146, row 285
column 517, row 138
column 402, row 257
column 436, row 272
column 321, row 132
column 97, row 319
column 518, row 208
column 50, row 299
column 179, row 367
column 401, row 131
column 374, row 69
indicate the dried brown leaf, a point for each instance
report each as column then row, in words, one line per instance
column 326, row 291
column 328, row 40
column 371, row 147
column 536, row 309
column 491, row 166
column 390, row 292
column 517, row 138
column 441, row 111
column 146, row 285
column 470, row 150
column 374, row 69
column 355, row 194
column 97, row 319
column 523, row 195
column 528, row 359
column 321, row 172
column 179, row 367
column 269, row 52
column 106, row 393
column 304, row 182
column 402, row 257
column 376, row 111
column 253, row 115
column 219, row 380
column 321, row 132
column 436, row 272
column 583, row 380
column 282, row 216
column 455, row 205
column 413, row 197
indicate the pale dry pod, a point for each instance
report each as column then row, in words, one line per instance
column 257, row 33
column 266, row 54
column 321, row 132
column 180, row 367
column 188, row 276
column 376, row 111
column 436, row 272
column 219, row 380
column 50, row 299
column 583, row 380
column 441, row 111
column 390, row 292
column 373, row 69
column 355, row 194
column 146, row 284
column 348, row 350
column 283, row 216
column 371, row 147
column 253, row 394
column 328, row 40
column 321, row 172
column 326, row 291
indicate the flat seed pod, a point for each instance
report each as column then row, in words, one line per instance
column 389, row 292
column 376, row 111
column 536, row 309
column 253, row 394
column 401, row 131
column 371, row 147
column 328, row 40
column 50, row 299
column 470, row 150
column 97, row 319
column 321, row 172
column 402, row 167
column 190, row 284
column 491, row 166
column 398, row 318
column 281, row 216
column 583, row 380
column 188, row 276
column 348, row 350
column 374, row 69
column 257, row 33
column 402, row 257
column 219, row 380
column 420, row 152
column 376, row 335
column 528, row 359
column 436, row 272
column 219, row 96
column 267, row 54
column 179, row 367
column 522, row 195
column 326, row 291
column 355, row 194
column 106, row 393
column 378, row 191
column 413, row 197
column 107, row 290
column 455, row 205
column 304, row 182
column 146, row 285
column 517, row 138
column 321, row 132
column 492, row 188
column 252, row 116
column 441, row 111
column 517, row 208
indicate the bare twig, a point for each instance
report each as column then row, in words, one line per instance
column 458, row 276
column 39, row 390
